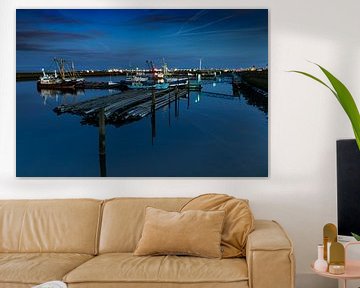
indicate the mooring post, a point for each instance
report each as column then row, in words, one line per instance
column 102, row 152
column 188, row 86
column 177, row 101
column 169, row 105
column 153, row 123
column 153, row 96
column 188, row 97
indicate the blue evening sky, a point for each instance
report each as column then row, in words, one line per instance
column 104, row 39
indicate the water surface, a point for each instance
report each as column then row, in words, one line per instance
column 212, row 134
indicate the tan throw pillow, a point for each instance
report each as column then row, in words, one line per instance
column 196, row 233
column 239, row 220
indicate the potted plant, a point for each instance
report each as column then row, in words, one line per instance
column 357, row 237
column 346, row 100
column 344, row 97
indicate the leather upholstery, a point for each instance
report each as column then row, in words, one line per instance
column 15, row 285
column 36, row 268
column 269, row 256
column 192, row 233
column 239, row 220
column 123, row 220
column 242, row 284
column 35, row 227
column 64, row 226
column 126, row 268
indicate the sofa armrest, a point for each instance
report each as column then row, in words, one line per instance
column 269, row 256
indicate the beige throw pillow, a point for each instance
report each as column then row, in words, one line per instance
column 239, row 220
column 194, row 232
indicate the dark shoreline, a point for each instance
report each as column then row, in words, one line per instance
column 258, row 77
column 30, row 76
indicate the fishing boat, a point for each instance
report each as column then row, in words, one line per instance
column 173, row 81
column 66, row 79
column 154, row 81
column 112, row 83
column 148, row 85
column 48, row 81
column 177, row 82
column 136, row 78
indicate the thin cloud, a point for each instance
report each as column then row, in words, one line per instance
column 50, row 35
column 157, row 18
column 207, row 24
column 183, row 32
column 193, row 18
column 50, row 16
column 236, row 32
column 42, row 40
column 30, row 47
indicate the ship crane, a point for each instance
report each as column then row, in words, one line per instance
column 165, row 67
column 61, row 66
column 151, row 68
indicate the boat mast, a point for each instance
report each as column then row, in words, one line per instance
column 61, row 66
column 152, row 69
column 165, row 67
column 73, row 69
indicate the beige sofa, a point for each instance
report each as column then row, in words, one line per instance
column 89, row 243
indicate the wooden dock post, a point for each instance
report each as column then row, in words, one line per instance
column 176, row 103
column 188, row 86
column 169, row 112
column 153, row 123
column 153, row 98
column 153, row 115
column 188, row 97
column 102, row 143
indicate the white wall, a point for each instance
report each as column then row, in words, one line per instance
column 305, row 121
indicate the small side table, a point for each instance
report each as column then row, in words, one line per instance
column 352, row 269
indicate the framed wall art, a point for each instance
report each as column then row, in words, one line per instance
column 142, row 93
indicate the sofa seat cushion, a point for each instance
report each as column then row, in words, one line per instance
column 36, row 268
column 127, row 268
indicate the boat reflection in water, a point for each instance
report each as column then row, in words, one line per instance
column 63, row 96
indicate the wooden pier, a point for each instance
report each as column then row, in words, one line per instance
column 104, row 85
column 120, row 108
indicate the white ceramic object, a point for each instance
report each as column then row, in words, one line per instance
column 320, row 264
column 51, row 284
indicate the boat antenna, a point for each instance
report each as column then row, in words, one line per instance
column 151, row 68
column 61, row 66
column 165, row 67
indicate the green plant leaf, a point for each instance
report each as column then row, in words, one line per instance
column 347, row 102
column 344, row 97
column 316, row 79
column 356, row 236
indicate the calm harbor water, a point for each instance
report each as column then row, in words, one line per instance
column 211, row 134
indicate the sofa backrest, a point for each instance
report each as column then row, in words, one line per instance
column 67, row 226
column 123, row 220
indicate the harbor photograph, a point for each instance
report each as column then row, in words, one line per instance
column 142, row 93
